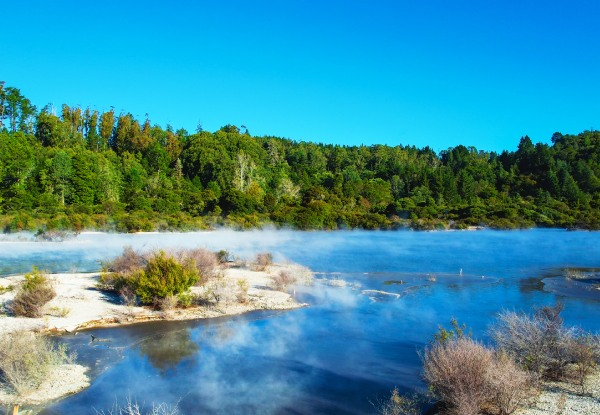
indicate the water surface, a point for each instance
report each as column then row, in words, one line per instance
column 344, row 352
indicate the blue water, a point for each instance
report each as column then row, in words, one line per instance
column 344, row 352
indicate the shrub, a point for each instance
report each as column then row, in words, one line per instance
column 32, row 294
column 399, row 405
column 223, row 256
column 133, row 408
column 283, row 279
column 262, row 261
column 585, row 354
column 242, row 290
column 206, row 262
column 163, row 276
column 129, row 261
column 167, row 304
column 185, row 299
column 538, row 343
column 26, row 359
column 509, row 384
column 456, row 371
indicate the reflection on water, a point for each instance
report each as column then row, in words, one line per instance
column 379, row 299
column 165, row 351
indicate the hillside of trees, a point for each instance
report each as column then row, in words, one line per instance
column 83, row 169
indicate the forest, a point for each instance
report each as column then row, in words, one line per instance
column 78, row 169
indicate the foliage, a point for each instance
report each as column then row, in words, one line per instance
column 84, row 169
column 32, row 294
column 26, row 359
column 164, row 276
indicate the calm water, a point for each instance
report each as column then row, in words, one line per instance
column 344, row 352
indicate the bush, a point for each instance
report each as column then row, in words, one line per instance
column 509, row 384
column 456, row 371
column 133, row 408
column 223, row 256
column 26, row 359
column 163, row 276
column 32, row 294
column 539, row 343
column 399, row 405
column 242, row 290
column 206, row 262
column 262, row 261
column 129, row 261
column 283, row 279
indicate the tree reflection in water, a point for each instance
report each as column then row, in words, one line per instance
column 166, row 350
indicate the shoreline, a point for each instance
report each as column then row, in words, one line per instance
column 557, row 398
column 79, row 304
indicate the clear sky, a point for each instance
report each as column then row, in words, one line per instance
column 438, row 73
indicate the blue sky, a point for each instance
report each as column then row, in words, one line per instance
column 437, row 73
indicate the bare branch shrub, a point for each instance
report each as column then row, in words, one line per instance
column 167, row 303
column 399, row 405
column 129, row 261
column 206, row 262
column 456, row 371
column 133, row 408
column 585, row 354
column 128, row 296
column 26, row 359
column 509, row 385
column 32, row 294
column 283, row 279
column 262, row 261
column 538, row 343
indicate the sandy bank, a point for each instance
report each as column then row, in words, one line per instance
column 558, row 398
column 62, row 381
column 79, row 304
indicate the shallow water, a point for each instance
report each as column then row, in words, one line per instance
column 344, row 352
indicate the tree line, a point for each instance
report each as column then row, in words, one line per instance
column 77, row 168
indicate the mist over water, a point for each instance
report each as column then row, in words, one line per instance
column 349, row 348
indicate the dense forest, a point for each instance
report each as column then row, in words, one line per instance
column 75, row 169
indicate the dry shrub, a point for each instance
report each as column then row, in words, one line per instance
column 242, row 290
column 456, row 371
column 283, row 279
column 539, row 343
column 262, row 261
column 133, row 408
column 128, row 295
column 26, row 359
column 129, row 261
column 399, row 405
column 167, row 303
column 32, row 294
column 585, row 354
column 206, row 262
column 509, row 385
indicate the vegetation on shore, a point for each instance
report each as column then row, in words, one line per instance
column 26, row 360
column 467, row 377
column 83, row 169
column 164, row 280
